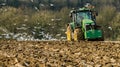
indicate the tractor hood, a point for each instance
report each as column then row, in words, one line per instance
column 87, row 21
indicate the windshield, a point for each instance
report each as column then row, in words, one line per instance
column 84, row 15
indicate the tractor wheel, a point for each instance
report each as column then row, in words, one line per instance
column 69, row 33
column 78, row 34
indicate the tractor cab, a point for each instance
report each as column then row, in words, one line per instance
column 82, row 16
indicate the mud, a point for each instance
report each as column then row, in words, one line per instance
column 59, row 54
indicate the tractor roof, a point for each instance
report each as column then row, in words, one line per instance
column 81, row 10
column 84, row 8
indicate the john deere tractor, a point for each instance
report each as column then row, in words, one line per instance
column 83, row 25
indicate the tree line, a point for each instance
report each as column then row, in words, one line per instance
column 59, row 3
column 33, row 13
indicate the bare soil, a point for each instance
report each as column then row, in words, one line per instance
column 59, row 54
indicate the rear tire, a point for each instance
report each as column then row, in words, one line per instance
column 78, row 34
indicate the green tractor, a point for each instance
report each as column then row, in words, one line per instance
column 83, row 26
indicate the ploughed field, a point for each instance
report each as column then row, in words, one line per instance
column 59, row 54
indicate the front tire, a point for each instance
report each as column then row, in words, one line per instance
column 69, row 33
